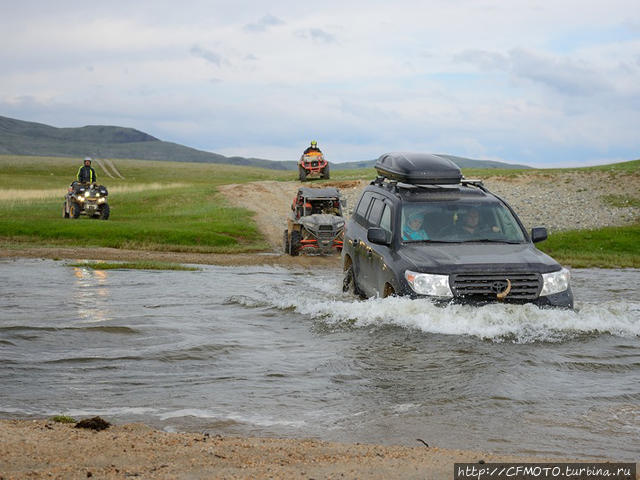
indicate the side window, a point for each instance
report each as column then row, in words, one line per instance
column 375, row 212
column 363, row 206
column 385, row 221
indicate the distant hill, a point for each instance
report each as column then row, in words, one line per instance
column 18, row 137
column 462, row 162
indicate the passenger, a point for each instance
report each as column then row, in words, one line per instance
column 413, row 227
column 312, row 148
column 86, row 173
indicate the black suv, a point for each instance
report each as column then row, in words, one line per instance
column 421, row 229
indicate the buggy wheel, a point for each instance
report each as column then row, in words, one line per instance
column 104, row 212
column 285, row 241
column 74, row 209
column 65, row 213
column 349, row 282
column 294, row 246
column 302, row 174
column 325, row 172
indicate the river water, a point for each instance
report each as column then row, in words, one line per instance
column 269, row 351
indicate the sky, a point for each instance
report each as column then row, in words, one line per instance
column 536, row 82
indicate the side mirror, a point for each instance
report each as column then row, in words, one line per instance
column 378, row 236
column 538, row 234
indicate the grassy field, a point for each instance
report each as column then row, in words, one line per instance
column 171, row 206
column 158, row 206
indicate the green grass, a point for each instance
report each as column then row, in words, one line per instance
column 63, row 419
column 141, row 265
column 611, row 247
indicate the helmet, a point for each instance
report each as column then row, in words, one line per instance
column 314, row 143
column 87, row 159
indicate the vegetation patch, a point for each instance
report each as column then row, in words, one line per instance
column 141, row 265
column 63, row 419
column 621, row 201
column 610, row 247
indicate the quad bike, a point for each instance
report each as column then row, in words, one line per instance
column 312, row 165
column 315, row 224
column 86, row 199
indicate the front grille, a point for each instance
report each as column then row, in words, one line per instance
column 326, row 227
column 314, row 164
column 524, row 286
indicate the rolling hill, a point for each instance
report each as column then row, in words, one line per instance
column 19, row 137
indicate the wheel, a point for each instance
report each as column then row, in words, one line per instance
column 74, row 210
column 104, row 212
column 285, row 241
column 65, row 213
column 388, row 291
column 349, row 282
column 302, row 174
column 294, row 246
column 325, row 172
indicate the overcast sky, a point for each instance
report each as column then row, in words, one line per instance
column 544, row 83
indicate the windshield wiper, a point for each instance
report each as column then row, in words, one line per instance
column 491, row 240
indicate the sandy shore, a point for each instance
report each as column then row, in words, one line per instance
column 44, row 449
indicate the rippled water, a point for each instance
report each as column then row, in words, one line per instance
column 276, row 352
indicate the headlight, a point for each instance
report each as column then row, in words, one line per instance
column 97, row 194
column 101, row 200
column 555, row 282
column 80, row 199
column 86, row 194
column 429, row 284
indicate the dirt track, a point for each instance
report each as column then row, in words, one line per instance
column 271, row 201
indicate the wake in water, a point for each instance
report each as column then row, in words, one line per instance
column 495, row 322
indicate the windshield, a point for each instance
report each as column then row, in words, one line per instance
column 459, row 222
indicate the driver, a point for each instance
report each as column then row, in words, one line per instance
column 312, row 148
column 86, row 173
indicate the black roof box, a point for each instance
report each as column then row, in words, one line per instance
column 418, row 168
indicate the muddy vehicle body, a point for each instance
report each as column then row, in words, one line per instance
column 315, row 224
column 424, row 231
column 86, row 199
column 312, row 165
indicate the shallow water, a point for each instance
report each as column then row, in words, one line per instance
column 276, row 352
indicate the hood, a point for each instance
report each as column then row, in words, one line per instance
column 314, row 221
column 469, row 257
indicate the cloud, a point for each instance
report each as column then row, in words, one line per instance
column 263, row 24
column 209, row 55
column 316, row 34
column 564, row 75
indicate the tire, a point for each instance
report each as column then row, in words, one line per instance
column 302, row 174
column 294, row 247
column 349, row 282
column 389, row 291
column 74, row 209
column 285, row 241
column 65, row 214
column 325, row 172
column 105, row 212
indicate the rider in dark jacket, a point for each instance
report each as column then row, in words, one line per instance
column 312, row 148
column 86, row 173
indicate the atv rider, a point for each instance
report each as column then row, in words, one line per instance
column 86, row 173
column 312, row 148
